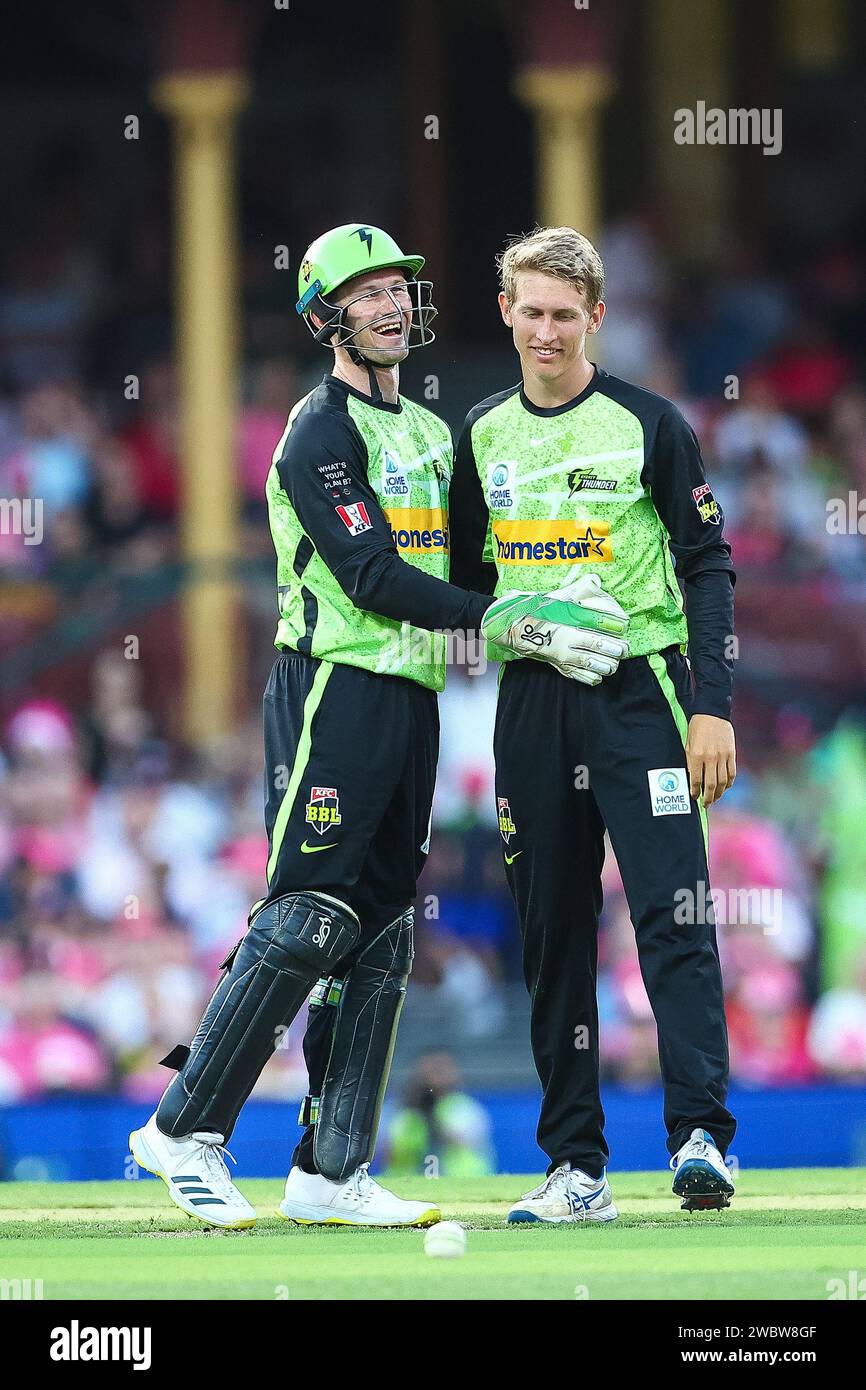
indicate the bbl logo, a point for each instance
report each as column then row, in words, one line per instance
column 507, row 828
column 708, row 507
column 323, row 809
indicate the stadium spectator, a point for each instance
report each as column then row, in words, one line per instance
column 440, row 1131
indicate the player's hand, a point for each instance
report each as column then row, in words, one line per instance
column 578, row 629
column 711, row 756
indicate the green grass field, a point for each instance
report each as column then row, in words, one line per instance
column 788, row 1233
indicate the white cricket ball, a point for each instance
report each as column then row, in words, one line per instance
column 445, row 1241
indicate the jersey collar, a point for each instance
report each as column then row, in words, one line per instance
column 594, row 382
column 337, row 383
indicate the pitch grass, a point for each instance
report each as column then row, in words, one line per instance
column 788, row 1233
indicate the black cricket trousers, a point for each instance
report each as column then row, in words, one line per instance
column 572, row 760
column 350, row 768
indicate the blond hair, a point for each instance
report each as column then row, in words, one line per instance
column 558, row 251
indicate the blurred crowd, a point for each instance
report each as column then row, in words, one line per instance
column 127, row 872
column 128, row 865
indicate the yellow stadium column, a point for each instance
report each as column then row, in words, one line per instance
column 567, row 103
column 690, row 61
column 203, row 108
column 814, row 36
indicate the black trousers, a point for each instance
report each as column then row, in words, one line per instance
column 572, row 760
column 350, row 767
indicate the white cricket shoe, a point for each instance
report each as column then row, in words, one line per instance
column 195, row 1173
column 702, row 1179
column 312, row 1200
column 567, row 1194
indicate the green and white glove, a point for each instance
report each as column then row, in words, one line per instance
column 578, row 629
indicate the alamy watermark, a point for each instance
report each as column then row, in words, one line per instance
column 737, row 126
column 741, row 907
column 22, row 516
column 77, row 1343
column 414, row 646
column 846, row 516
column 21, row 1290
column 853, row 1287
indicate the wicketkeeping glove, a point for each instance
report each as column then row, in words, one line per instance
column 578, row 629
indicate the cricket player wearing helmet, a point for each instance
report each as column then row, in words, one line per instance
column 574, row 470
column 358, row 506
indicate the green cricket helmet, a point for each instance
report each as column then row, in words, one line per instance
column 341, row 254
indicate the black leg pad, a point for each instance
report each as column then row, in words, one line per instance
column 288, row 945
column 365, row 1032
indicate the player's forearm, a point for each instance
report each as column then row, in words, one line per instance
column 468, row 521
column 469, row 571
column 710, row 613
column 383, row 583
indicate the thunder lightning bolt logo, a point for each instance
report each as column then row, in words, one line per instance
column 367, row 237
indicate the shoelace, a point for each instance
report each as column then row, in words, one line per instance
column 548, row 1182
column 559, row 1180
column 699, row 1148
column 213, row 1160
column 362, row 1186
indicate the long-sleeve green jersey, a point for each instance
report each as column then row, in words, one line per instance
column 611, row 483
column 358, row 507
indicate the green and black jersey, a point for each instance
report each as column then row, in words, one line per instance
column 358, row 507
column 613, row 482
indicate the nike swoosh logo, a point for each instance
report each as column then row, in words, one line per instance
column 510, row 858
column 317, row 849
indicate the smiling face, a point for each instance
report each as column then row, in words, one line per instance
column 550, row 319
column 379, row 313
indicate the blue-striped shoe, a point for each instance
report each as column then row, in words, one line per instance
column 195, row 1173
column 701, row 1177
column 567, row 1194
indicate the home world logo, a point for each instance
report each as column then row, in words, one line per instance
column 77, row 1343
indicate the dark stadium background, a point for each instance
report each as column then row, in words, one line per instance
column 130, row 824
